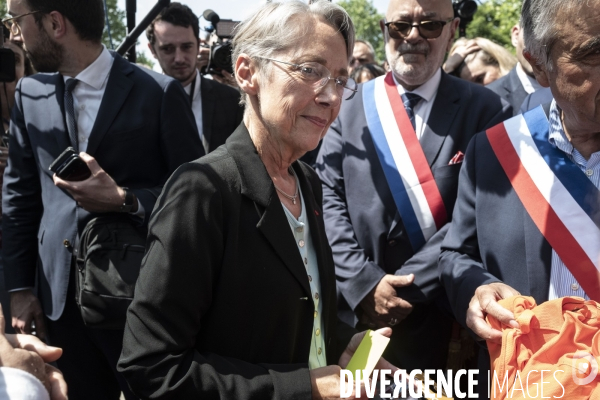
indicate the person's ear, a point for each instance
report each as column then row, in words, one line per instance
column 540, row 70
column 246, row 74
column 514, row 35
column 56, row 24
column 453, row 27
column 151, row 47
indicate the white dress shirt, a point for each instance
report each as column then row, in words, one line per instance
column 428, row 91
column 197, row 107
column 529, row 84
column 87, row 95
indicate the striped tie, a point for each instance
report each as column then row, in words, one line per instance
column 70, row 110
column 410, row 101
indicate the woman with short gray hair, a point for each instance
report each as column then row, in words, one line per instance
column 236, row 298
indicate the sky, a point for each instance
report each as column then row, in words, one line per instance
column 226, row 9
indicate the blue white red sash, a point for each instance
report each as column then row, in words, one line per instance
column 561, row 200
column 404, row 164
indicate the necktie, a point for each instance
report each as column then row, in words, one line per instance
column 410, row 101
column 70, row 111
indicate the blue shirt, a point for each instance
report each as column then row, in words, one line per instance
column 562, row 282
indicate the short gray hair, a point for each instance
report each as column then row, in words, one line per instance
column 540, row 30
column 272, row 29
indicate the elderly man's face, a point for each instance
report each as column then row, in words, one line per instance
column 574, row 78
column 415, row 59
column 361, row 55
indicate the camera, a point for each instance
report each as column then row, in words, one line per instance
column 464, row 9
column 219, row 33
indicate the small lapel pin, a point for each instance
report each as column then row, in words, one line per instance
column 316, row 213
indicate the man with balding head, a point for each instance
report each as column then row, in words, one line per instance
column 389, row 166
column 363, row 53
column 535, row 231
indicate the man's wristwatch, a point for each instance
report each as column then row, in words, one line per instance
column 129, row 202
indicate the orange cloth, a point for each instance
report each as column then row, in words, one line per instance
column 549, row 338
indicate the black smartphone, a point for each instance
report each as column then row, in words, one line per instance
column 70, row 167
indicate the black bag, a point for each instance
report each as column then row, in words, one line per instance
column 111, row 249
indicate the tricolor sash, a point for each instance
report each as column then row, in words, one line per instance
column 561, row 200
column 404, row 164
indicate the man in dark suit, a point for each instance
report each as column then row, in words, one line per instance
column 519, row 82
column 133, row 128
column 504, row 240
column 375, row 259
column 174, row 40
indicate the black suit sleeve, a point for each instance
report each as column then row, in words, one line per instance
column 460, row 267
column 180, row 141
column 21, row 205
column 160, row 357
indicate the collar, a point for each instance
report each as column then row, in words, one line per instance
column 96, row 74
column 557, row 136
column 529, row 84
column 188, row 87
column 427, row 90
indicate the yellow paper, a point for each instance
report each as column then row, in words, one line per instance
column 368, row 353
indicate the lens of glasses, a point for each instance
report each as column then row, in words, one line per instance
column 427, row 29
column 317, row 75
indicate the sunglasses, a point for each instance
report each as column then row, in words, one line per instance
column 427, row 29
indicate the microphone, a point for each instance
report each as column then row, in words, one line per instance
column 211, row 16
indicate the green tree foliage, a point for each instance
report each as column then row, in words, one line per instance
column 366, row 22
column 494, row 20
column 118, row 31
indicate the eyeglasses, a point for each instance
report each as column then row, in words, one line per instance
column 11, row 23
column 318, row 76
column 427, row 29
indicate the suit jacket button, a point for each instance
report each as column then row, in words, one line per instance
column 67, row 243
column 392, row 242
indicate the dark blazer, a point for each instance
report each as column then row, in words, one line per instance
column 510, row 88
column 363, row 224
column 539, row 97
column 221, row 111
column 492, row 238
column 144, row 131
column 222, row 306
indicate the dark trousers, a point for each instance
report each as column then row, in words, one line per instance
column 89, row 357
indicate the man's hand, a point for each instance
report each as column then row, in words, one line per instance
column 484, row 302
column 382, row 306
column 460, row 53
column 29, row 354
column 98, row 193
column 25, row 308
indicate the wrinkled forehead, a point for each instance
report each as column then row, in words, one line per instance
column 422, row 9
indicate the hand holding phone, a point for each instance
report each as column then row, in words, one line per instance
column 70, row 167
